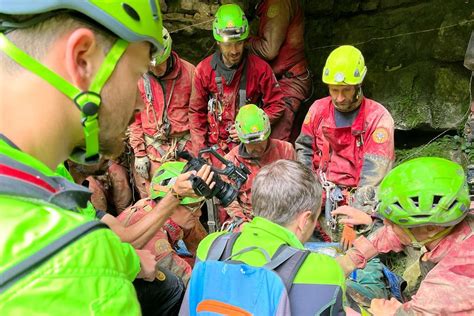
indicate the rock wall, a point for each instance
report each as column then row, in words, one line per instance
column 414, row 50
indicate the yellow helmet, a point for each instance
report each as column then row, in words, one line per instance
column 344, row 66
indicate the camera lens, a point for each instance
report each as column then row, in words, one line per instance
column 227, row 194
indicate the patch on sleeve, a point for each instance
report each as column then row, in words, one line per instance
column 380, row 135
column 307, row 118
column 162, row 246
column 273, row 10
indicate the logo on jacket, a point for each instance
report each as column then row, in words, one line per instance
column 273, row 11
column 380, row 135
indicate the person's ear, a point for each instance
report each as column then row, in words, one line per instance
column 303, row 220
column 82, row 54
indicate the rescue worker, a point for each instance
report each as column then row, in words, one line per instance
column 174, row 244
column 162, row 127
column 227, row 80
column 346, row 138
column 255, row 151
column 54, row 56
column 163, row 295
column 280, row 41
column 286, row 201
column 425, row 204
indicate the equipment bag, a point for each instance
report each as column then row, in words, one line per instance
column 222, row 286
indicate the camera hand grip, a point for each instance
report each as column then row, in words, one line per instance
column 200, row 187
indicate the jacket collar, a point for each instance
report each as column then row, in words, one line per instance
column 277, row 231
column 228, row 73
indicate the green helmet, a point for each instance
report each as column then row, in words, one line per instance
column 424, row 191
column 134, row 21
column 252, row 124
column 163, row 55
column 165, row 177
column 344, row 66
column 230, row 24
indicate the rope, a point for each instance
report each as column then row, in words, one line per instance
column 188, row 26
column 462, row 23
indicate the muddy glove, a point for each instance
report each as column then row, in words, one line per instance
column 142, row 165
column 364, row 199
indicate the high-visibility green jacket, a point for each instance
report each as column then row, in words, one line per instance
column 91, row 276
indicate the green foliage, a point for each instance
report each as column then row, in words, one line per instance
column 449, row 147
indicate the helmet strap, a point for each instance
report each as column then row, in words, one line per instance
column 88, row 101
column 420, row 244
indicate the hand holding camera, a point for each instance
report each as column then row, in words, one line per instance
column 184, row 185
column 220, row 189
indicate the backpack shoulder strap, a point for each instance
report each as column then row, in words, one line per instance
column 221, row 247
column 286, row 262
column 9, row 277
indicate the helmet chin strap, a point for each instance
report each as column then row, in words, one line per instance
column 88, row 101
column 420, row 244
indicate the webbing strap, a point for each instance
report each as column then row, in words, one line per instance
column 36, row 67
column 242, row 84
column 13, row 274
column 87, row 101
column 288, row 268
column 230, row 245
column 217, row 248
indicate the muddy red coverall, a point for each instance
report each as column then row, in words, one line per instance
column 280, row 41
column 447, row 287
column 356, row 156
column 108, row 181
column 163, row 242
column 210, row 123
column 352, row 156
column 277, row 149
column 163, row 126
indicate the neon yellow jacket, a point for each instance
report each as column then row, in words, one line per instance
column 91, row 276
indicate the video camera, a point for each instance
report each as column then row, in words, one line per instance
column 222, row 190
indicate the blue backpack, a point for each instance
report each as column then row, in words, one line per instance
column 220, row 286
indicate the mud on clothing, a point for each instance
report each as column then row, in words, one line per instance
column 447, row 287
column 352, row 156
column 162, row 244
column 212, row 110
column 276, row 149
column 280, row 41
